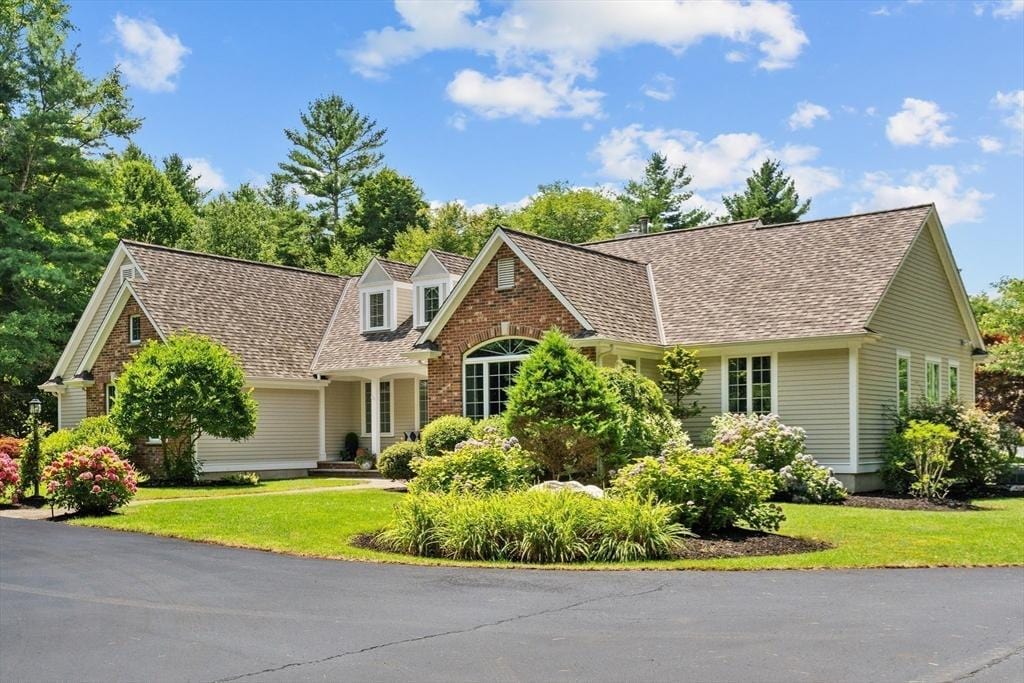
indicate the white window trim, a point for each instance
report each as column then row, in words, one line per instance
column 901, row 353
column 132, row 340
column 933, row 360
column 419, row 418
column 362, row 408
column 774, row 382
column 420, row 311
column 390, row 301
column 486, row 376
column 950, row 363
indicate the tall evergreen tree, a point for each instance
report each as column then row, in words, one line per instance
column 660, row 196
column 179, row 173
column 770, row 195
column 335, row 148
column 387, row 203
column 54, row 244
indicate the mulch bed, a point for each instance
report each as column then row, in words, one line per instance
column 889, row 501
column 745, row 543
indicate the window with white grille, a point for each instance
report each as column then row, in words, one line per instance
column 506, row 273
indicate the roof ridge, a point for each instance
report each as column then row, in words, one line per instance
column 848, row 215
column 450, row 253
column 578, row 247
column 396, row 262
column 234, row 259
column 662, row 233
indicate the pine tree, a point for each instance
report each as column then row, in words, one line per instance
column 660, row 196
column 179, row 173
column 770, row 195
column 332, row 152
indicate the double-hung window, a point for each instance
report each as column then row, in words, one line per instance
column 487, row 374
column 954, row 380
column 749, row 386
column 385, row 408
column 902, row 382
column 376, row 310
column 431, row 302
column 134, row 329
column 422, row 403
column 931, row 379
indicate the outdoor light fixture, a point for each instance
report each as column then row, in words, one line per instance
column 35, row 406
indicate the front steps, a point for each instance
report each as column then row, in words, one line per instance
column 347, row 470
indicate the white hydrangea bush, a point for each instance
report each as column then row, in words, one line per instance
column 805, row 481
column 761, row 439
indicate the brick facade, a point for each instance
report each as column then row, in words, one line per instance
column 117, row 351
column 529, row 309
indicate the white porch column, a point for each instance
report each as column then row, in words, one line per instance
column 323, row 423
column 375, row 415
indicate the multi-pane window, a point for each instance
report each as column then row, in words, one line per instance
column 954, row 381
column 431, row 302
column 488, row 372
column 376, row 312
column 931, row 380
column 749, row 384
column 111, row 395
column 385, row 407
column 903, row 384
column 422, row 401
column 631, row 362
column 134, row 329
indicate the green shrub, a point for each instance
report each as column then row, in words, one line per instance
column 532, row 526
column 475, row 467
column 242, row 479
column 760, row 439
column 57, row 443
column 805, row 481
column 444, row 433
column 90, row 480
column 928, row 444
column 711, row 488
column 979, row 455
column 393, row 463
column 490, row 428
column 92, row 432
column 647, row 423
column 562, row 410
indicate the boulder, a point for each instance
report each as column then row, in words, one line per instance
column 574, row 486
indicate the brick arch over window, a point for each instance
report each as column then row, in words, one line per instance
column 497, row 332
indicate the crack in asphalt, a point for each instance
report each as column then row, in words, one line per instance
column 442, row 634
column 991, row 663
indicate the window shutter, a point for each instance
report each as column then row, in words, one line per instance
column 506, row 273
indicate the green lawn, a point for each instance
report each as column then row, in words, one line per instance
column 320, row 524
column 220, row 490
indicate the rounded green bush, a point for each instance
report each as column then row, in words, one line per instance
column 393, row 462
column 444, row 433
column 475, row 467
column 490, row 428
column 93, row 432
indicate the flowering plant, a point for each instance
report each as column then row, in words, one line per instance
column 760, row 439
column 805, row 481
column 9, row 476
column 11, row 445
column 90, row 480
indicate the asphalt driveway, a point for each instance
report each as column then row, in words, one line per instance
column 89, row 604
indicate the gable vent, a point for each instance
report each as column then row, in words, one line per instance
column 506, row 273
column 127, row 273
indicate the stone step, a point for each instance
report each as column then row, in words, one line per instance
column 354, row 473
column 337, row 465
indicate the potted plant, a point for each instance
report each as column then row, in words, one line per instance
column 364, row 459
column 351, row 446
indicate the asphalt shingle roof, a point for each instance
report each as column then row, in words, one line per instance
column 456, row 264
column 400, row 272
column 272, row 317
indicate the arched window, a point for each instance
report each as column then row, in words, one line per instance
column 488, row 372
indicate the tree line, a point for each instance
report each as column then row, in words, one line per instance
column 67, row 195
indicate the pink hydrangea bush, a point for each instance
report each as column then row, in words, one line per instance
column 92, row 481
column 9, row 475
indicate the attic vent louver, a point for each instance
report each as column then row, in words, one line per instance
column 127, row 273
column 506, row 273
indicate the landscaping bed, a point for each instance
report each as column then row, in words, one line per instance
column 887, row 501
column 745, row 543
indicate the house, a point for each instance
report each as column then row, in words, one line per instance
column 832, row 324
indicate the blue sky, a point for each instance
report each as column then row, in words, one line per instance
column 870, row 105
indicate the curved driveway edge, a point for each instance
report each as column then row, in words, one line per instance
column 78, row 603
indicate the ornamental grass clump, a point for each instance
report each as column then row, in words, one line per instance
column 711, row 489
column 90, row 481
column 532, row 526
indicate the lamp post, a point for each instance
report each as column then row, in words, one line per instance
column 35, row 406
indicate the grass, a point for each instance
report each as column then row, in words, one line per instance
column 321, row 524
column 222, row 490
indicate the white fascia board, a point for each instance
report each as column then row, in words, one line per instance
column 278, row 383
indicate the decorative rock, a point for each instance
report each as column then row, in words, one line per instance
column 574, row 486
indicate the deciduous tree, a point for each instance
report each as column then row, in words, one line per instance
column 681, row 375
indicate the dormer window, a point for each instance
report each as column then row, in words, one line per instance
column 429, row 297
column 431, row 302
column 376, row 310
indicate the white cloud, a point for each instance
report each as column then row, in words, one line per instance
column 662, row 88
column 457, row 121
column 938, row 184
column 919, row 122
column 1008, row 9
column 209, row 177
column 717, row 165
column 806, row 114
column 989, row 144
column 735, row 56
column 871, row 111
column 541, row 49
column 152, row 58
column 1012, row 102
column 526, row 96
column 882, row 11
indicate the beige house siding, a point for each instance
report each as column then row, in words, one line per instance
column 287, row 435
column 341, row 402
column 97, row 320
column 813, row 393
column 917, row 315
column 708, row 397
column 72, row 407
column 404, row 397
